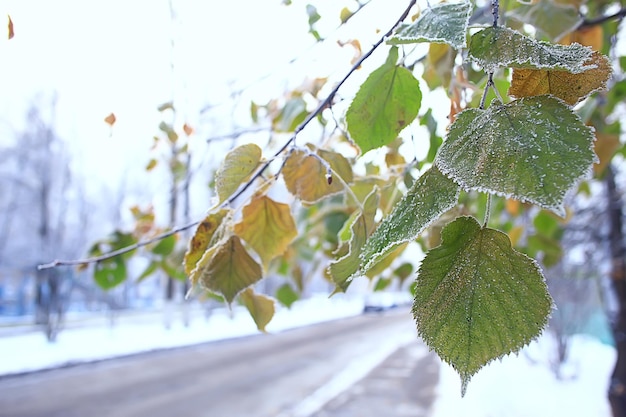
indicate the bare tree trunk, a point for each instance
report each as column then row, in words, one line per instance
column 617, row 388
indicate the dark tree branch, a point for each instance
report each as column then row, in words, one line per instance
column 321, row 106
column 620, row 14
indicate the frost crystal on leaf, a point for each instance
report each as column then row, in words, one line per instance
column 497, row 47
column 441, row 23
column 533, row 149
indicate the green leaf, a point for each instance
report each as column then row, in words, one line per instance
column 261, row 308
column 432, row 194
column 110, row 273
column 386, row 103
column 344, row 269
column 165, row 246
column 150, row 269
column 227, row 269
column 286, row 295
column 441, row 23
column 552, row 19
column 238, row 166
column 497, row 47
column 533, row 149
column 477, row 299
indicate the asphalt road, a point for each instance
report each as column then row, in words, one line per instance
column 297, row 373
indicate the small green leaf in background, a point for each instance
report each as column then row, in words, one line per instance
column 498, row 47
column 441, row 23
column 386, row 103
column 551, row 19
column 227, row 269
column 110, row 273
column 344, row 269
column 477, row 299
column 165, row 246
column 533, row 149
column 261, row 308
column 286, row 295
column 237, row 167
column 432, row 194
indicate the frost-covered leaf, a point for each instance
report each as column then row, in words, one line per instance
column 306, row 176
column 432, row 194
column 551, row 19
column 261, row 307
column 441, row 23
column 344, row 269
column 267, row 226
column 571, row 88
column 202, row 239
column 237, row 167
column 533, row 149
column 497, row 47
column 226, row 268
column 386, row 103
column 477, row 299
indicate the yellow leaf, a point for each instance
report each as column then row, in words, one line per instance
column 226, row 268
column 605, row 147
column 261, row 308
column 110, row 119
column 238, row 166
column 571, row 88
column 11, row 32
column 267, row 226
column 306, row 176
column 512, row 206
column 201, row 240
column 151, row 164
column 592, row 36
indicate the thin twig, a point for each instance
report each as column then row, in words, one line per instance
column 325, row 103
column 118, row 252
column 620, row 14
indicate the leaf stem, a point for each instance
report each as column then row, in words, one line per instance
column 487, row 211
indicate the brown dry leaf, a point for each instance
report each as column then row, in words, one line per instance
column 187, row 129
column 605, row 146
column 592, row 36
column 201, row 240
column 571, row 88
column 110, row 119
column 512, row 206
column 267, row 226
column 11, row 32
column 305, row 175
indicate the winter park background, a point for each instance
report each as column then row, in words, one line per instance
column 72, row 63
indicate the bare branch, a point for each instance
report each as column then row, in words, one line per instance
column 620, row 14
column 321, row 106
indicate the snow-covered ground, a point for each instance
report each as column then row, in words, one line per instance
column 517, row 386
column 31, row 351
column 524, row 386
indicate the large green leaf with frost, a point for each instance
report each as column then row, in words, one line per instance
column 477, row 299
column 552, row 19
column 344, row 269
column 497, row 47
column 386, row 103
column 432, row 194
column 533, row 149
column 441, row 23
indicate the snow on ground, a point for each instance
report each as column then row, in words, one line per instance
column 524, row 386
column 31, row 351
